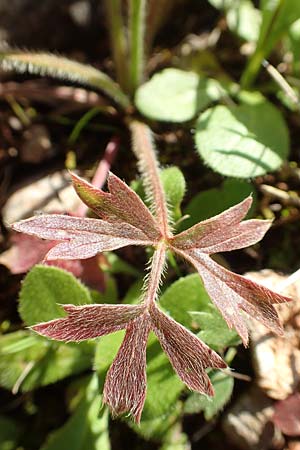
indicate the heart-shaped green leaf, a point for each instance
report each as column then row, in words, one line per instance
column 242, row 141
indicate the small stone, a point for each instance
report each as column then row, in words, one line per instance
column 53, row 193
column 37, row 146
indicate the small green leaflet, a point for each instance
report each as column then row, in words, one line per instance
column 223, row 386
column 187, row 302
column 175, row 95
column 174, row 186
column 185, row 295
column 214, row 330
column 44, row 288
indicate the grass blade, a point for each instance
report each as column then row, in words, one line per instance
column 137, row 17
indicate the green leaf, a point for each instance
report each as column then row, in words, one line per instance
column 175, row 439
column 134, row 293
column 223, row 386
column 106, row 350
column 64, row 69
column 28, row 361
column 87, row 428
column 157, row 427
column 117, row 265
column 44, row 288
column 242, row 17
column 163, row 385
column 185, row 295
column 244, row 20
column 242, row 141
column 214, row 330
column 174, row 95
column 9, row 433
column 109, row 295
column 213, row 201
column 187, row 302
column 174, row 187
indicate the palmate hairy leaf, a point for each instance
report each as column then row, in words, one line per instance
column 125, row 220
column 230, row 292
column 120, row 204
column 125, row 385
column 88, row 321
column 62, row 68
column 188, row 355
column 82, row 238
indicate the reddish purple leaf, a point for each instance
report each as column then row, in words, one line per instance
column 120, row 204
column 188, row 355
column 26, row 251
column 126, row 383
column 287, row 415
column 233, row 293
column 82, row 238
column 125, row 220
column 88, row 321
column 212, row 231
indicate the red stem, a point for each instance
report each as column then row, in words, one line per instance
column 102, row 170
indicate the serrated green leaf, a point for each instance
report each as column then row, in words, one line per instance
column 174, row 186
column 62, row 68
column 87, row 428
column 174, row 95
column 223, row 386
column 40, row 362
column 44, row 288
column 213, row 201
column 9, row 433
column 185, row 295
column 242, row 141
column 214, row 330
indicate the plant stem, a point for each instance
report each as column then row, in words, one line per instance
column 102, row 170
column 261, row 50
column 118, row 41
column 154, row 278
column 137, row 17
column 143, row 147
